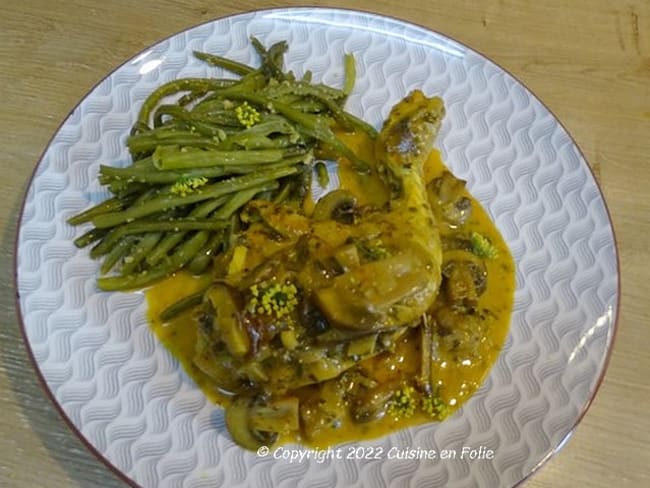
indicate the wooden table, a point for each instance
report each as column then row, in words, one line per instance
column 589, row 60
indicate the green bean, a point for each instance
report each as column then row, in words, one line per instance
column 322, row 175
column 241, row 198
column 329, row 97
column 272, row 63
column 319, row 127
column 143, row 226
column 198, row 124
column 114, row 235
column 105, row 245
column 186, row 251
column 284, row 193
column 270, row 124
column 118, row 251
column 150, row 141
column 225, row 63
column 316, row 126
column 250, row 83
column 271, row 132
column 226, row 120
column 172, row 158
column 134, row 281
column 140, row 251
column 302, row 184
column 320, row 94
column 150, row 193
column 107, row 174
column 200, row 263
column 235, row 202
column 231, row 205
column 350, row 70
column 306, row 105
column 256, row 141
column 302, row 89
column 89, row 237
column 110, row 205
column 232, row 231
column 182, row 305
column 123, row 188
column 174, row 111
column 210, row 129
column 212, row 104
column 139, row 127
column 144, row 163
column 172, row 240
column 175, row 86
column 191, row 97
column 215, row 190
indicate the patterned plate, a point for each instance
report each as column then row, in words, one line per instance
column 132, row 403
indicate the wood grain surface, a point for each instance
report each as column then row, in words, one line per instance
column 588, row 60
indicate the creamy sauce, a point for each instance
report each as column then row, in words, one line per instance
column 456, row 380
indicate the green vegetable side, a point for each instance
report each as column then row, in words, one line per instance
column 196, row 162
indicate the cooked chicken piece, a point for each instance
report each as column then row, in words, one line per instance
column 400, row 244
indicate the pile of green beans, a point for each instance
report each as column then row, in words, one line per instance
column 198, row 161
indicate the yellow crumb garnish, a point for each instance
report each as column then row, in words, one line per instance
column 248, row 116
column 278, row 299
column 435, row 407
column 185, row 186
column 404, row 403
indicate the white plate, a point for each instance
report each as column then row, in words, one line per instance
column 132, row 403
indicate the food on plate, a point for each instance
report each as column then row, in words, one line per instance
column 311, row 312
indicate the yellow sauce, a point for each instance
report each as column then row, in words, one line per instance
column 457, row 381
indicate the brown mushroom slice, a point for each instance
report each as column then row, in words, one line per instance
column 237, row 418
column 371, row 405
column 338, row 205
column 465, row 277
column 280, row 416
column 446, row 195
column 211, row 358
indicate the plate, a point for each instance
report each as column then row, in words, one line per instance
column 132, row 404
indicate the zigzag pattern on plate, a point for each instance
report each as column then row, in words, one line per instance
column 136, row 406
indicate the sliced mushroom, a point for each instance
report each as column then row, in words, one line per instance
column 462, row 331
column 465, row 277
column 446, row 195
column 238, row 422
column 371, row 405
column 338, row 205
column 279, row 416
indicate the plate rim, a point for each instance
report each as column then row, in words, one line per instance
column 552, row 452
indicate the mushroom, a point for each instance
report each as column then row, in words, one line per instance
column 446, row 194
column 338, row 205
column 238, row 422
column 254, row 421
column 371, row 406
column 465, row 277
